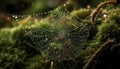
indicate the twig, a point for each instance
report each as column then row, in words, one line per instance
column 51, row 65
column 96, row 53
column 96, row 11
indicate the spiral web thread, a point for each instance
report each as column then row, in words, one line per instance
column 64, row 43
column 69, row 42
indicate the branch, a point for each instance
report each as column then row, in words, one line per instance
column 96, row 11
column 96, row 53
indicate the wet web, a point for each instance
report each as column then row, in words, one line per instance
column 61, row 40
column 65, row 41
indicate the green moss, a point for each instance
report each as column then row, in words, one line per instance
column 16, row 33
column 37, row 62
column 5, row 37
column 11, row 58
column 81, row 13
column 115, row 15
column 110, row 26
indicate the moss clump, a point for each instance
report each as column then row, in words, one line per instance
column 38, row 62
column 12, row 58
column 115, row 15
column 108, row 30
column 81, row 13
column 17, row 33
column 5, row 35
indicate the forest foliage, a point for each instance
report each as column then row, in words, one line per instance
column 18, row 51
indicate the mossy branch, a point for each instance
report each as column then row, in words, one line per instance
column 96, row 11
column 96, row 53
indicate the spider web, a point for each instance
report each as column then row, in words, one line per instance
column 65, row 41
column 62, row 40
